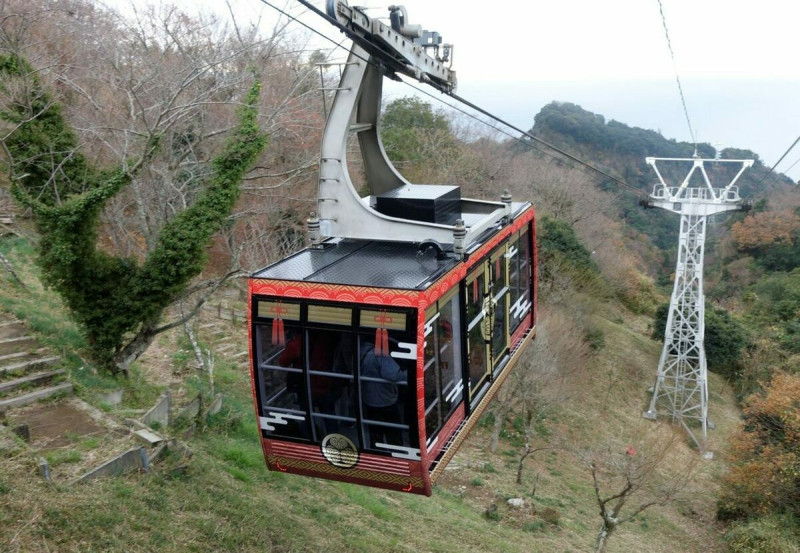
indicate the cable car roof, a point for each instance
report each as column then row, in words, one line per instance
column 373, row 263
column 353, row 262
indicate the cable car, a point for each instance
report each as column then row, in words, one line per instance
column 375, row 350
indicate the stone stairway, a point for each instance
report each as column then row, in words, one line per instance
column 223, row 325
column 28, row 373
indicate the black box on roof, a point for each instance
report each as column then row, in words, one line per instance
column 430, row 203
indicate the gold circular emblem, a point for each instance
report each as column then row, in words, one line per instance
column 340, row 451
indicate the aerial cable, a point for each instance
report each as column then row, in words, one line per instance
column 458, row 98
column 677, row 77
column 791, row 166
column 544, row 143
column 636, row 191
column 786, row 153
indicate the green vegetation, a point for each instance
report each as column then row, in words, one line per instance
column 583, row 126
column 557, row 239
column 770, row 534
column 111, row 297
column 410, row 127
column 776, row 304
column 726, row 338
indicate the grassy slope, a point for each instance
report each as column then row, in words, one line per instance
column 223, row 499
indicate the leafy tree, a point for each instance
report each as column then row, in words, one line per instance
column 777, row 303
column 117, row 300
column 417, row 138
column 557, row 238
column 761, row 230
column 725, row 338
column 765, row 455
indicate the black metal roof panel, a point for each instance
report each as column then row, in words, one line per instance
column 398, row 265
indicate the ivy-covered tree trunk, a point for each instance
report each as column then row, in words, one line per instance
column 117, row 301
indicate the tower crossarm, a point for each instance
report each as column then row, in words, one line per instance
column 726, row 197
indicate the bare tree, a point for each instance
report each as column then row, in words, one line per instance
column 540, row 381
column 628, row 479
column 162, row 75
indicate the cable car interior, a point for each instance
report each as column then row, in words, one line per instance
column 375, row 350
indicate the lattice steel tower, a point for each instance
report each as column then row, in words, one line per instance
column 681, row 382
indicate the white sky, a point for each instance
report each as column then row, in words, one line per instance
column 738, row 61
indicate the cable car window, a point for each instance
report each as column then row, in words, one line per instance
column 443, row 382
column 450, row 353
column 476, row 331
column 386, row 360
column 519, row 279
column 475, row 293
column 331, row 382
column 278, row 356
column 432, row 384
column 499, row 290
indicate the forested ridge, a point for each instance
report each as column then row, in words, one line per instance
column 162, row 135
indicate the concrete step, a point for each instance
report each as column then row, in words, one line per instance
column 12, row 329
column 38, row 378
column 9, row 358
column 28, row 365
column 34, row 396
column 19, row 344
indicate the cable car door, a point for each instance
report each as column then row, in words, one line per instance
column 487, row 321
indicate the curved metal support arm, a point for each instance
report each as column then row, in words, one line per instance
column 342, row 212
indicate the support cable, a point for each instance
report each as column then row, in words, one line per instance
column 786, row 153
column 791, row 166
column 631, row 189
column 625, row 186
column 677, row 77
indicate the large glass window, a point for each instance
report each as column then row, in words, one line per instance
column 519, row 252
column 499, row 291
column 279, row 357
column 331, row 382
column 324, row 369
column 387, row 354
column 477, row 332
column 443, row 381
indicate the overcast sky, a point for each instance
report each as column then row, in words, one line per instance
column 738, row 61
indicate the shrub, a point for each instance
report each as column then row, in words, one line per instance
column 764, row 535
column 550, row 516
column 726, row 338
column 765, row 455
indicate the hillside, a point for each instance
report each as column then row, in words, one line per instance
column 621, row 150
column 117, row 190
column 223, row 498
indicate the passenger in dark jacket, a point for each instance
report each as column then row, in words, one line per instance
column 380, row 396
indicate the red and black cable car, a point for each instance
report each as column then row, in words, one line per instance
column 375, row 350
